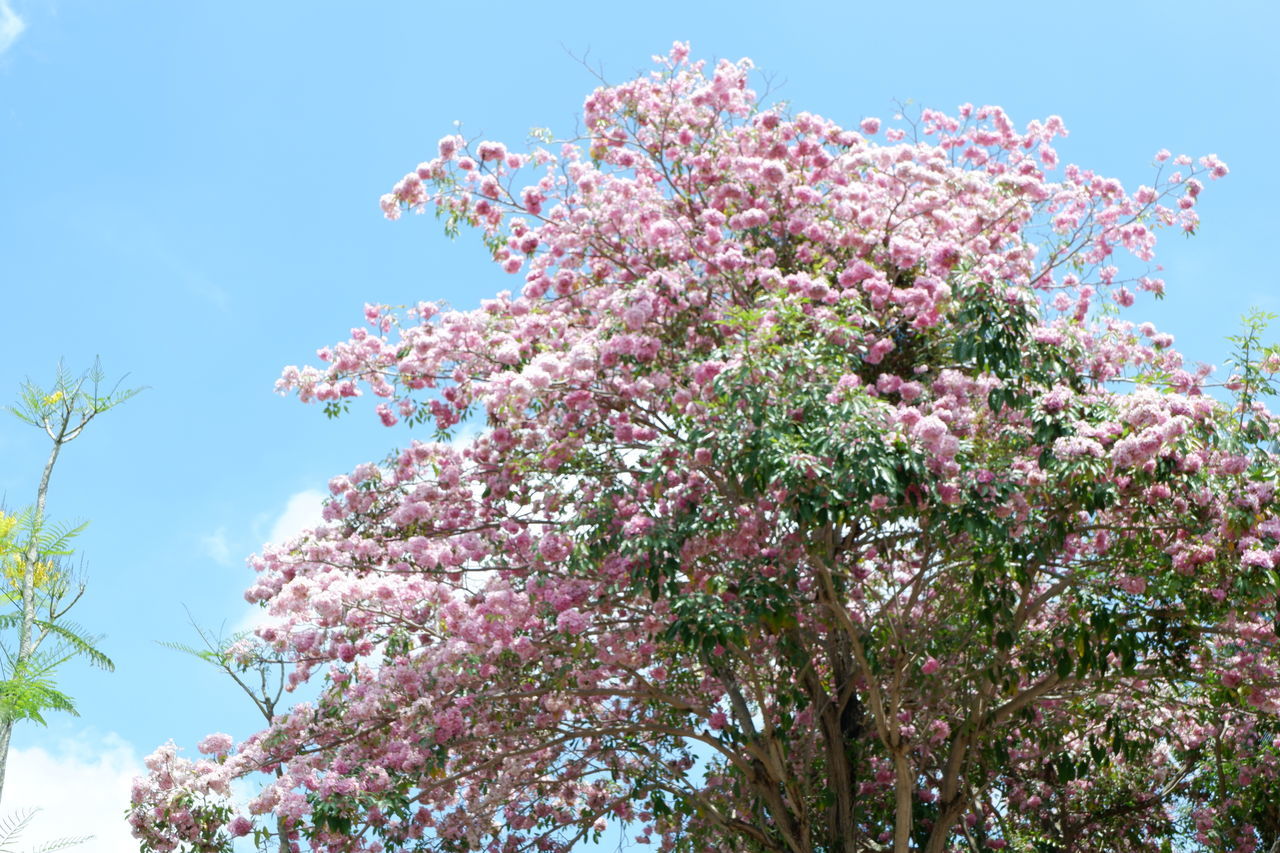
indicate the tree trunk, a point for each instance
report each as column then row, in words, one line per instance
column 6, row 730
column 26, row 629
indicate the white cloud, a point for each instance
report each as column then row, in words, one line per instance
column 302, row 512
column 81, row 787
column 11, row 26
column 253, row 618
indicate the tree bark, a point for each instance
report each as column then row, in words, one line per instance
column 30, row 557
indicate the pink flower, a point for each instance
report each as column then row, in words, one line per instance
column 1071, row 446
column 662, row 231
column 879, row 350
column 448, row 146
column 870, row 126
column 1257, row 558
column 1217, row 168
column 554, row 547
column 240, row 826
column 635, row 316
column 932, row 432
column 1057, row 399
column 390, row 206
column 215, row 744
column 572, row 621
column 491, row 151
column 930, row 666
column 705, row 371
column 639, row 525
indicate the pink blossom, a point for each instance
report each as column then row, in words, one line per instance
column 554, row 547
column 1257, row 558
column 662, row 230
column 1217, row 168
column 215, row 744
column 490, row 151
column 449, row 145
column 572, row 621
column 879, row 350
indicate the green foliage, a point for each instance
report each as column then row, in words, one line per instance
column 35, row 582
column 1255, row 366
column 29, row 690
column 12, row 826
column 71, row 400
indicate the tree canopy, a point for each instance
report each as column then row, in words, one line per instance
column 825, row 500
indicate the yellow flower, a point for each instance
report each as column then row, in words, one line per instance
column 11, row 568
column 52, row 399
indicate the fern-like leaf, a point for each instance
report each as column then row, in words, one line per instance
column 81, row 644
column 12, row 826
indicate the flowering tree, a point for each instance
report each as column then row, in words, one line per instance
column 825, row 502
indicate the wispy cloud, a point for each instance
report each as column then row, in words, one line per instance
column 140, row 238
column 81, row 787
column 217, row 546
column 11, row 26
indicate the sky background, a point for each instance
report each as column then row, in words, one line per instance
column 189, row 191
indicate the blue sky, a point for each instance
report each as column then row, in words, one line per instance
column 189, row 190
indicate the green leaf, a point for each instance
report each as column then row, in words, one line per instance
column 1063, row 663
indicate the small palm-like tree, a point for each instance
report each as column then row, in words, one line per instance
column 37, row 589
column 27, row 688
